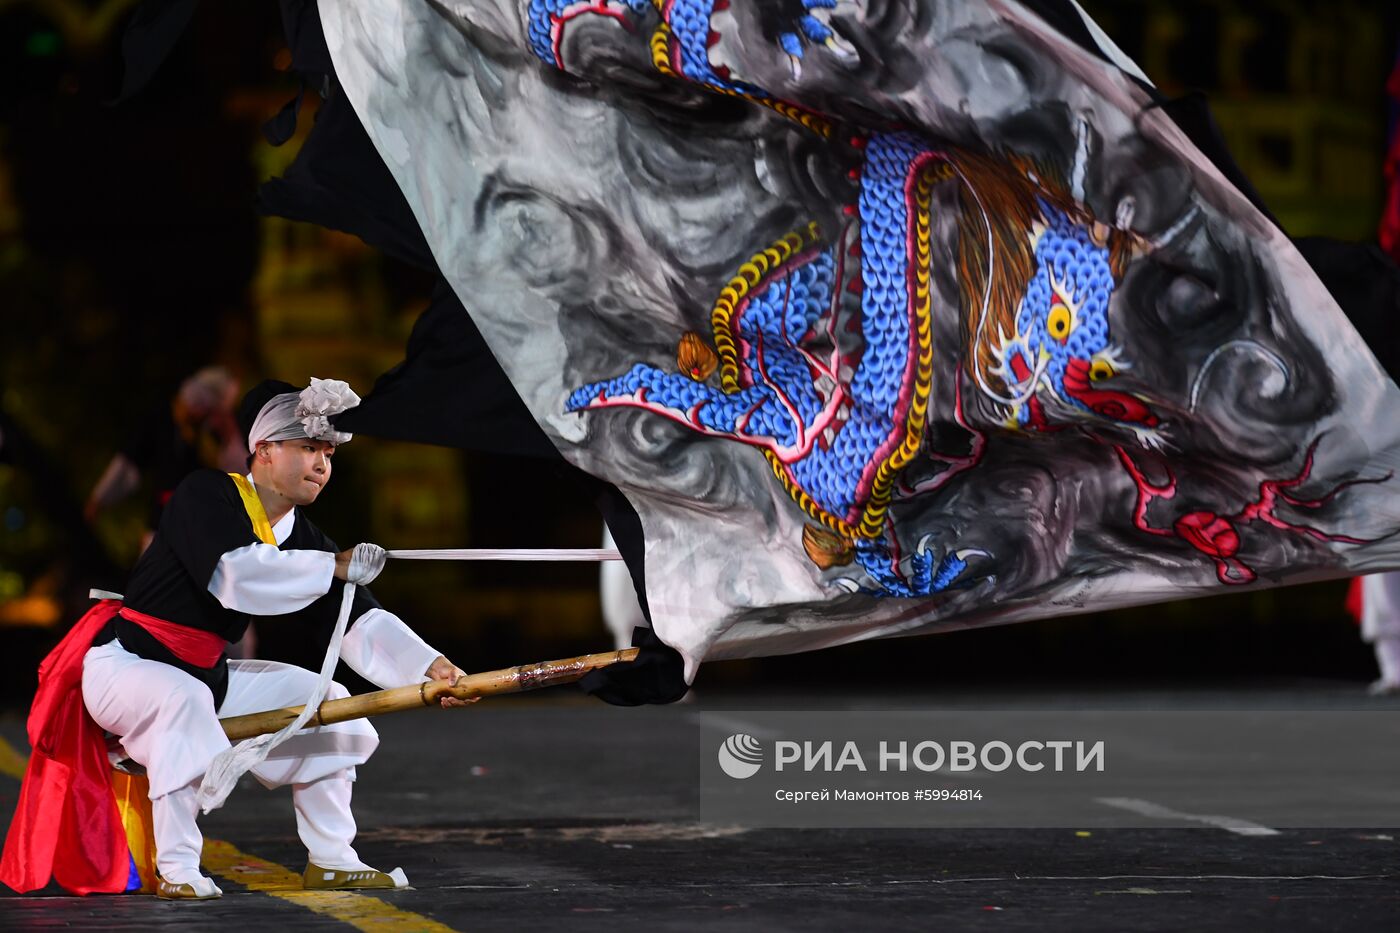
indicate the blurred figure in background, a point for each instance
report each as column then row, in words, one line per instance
column 1379, row 613
column 197, row 429
column 1375, row 600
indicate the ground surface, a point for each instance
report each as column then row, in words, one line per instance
column 553, row 812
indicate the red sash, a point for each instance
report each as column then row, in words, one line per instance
column 191, row 645
column 66, row 825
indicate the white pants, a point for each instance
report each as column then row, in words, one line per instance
column 167, row 723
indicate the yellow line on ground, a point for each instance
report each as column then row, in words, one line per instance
column 359, row 910
column 221, row 858
column 11, row 761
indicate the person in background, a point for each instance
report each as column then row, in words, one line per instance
column 1375, row 600
column 196, row 430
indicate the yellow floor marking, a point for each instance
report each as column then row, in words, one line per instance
column 360, row 911
column 11, row 761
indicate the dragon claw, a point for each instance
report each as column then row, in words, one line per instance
column 1152, row 438
column 813, row 26
column 841, row 47
column 922, row 573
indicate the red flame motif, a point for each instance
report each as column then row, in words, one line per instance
column 1218, row 536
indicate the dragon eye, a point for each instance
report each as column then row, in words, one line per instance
column 1059, row 321
column 1100, row 370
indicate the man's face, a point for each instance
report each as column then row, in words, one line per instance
column 298, row 469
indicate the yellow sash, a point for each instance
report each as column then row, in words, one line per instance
column 253, row 505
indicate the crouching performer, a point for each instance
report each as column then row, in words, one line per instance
column 152, row 670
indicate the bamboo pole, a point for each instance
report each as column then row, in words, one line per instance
column 416, row 696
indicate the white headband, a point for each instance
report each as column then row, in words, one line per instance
column 304, row 414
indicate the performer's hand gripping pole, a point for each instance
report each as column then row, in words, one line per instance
column 417, row 696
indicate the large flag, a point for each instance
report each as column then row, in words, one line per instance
column 885, row 318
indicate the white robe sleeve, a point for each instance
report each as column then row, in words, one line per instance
column 383, row 650
column 262, row 580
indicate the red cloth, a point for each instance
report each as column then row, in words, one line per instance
column 191, row 645
column 1389, row 233
column 1355, row 600
column 66, row 824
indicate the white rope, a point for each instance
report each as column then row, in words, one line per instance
column 594, row 553
column 230, row 765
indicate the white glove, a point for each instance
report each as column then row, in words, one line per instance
column 366, row 563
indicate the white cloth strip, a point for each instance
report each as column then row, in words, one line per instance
column 228, row 766
column 519, row 553
column 167, row 722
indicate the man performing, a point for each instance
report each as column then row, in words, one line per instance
column 157, row 674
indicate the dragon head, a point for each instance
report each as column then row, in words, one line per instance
column 1062, row 343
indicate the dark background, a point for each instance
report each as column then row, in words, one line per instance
column 131, row 254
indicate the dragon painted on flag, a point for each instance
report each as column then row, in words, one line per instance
column 886, row 317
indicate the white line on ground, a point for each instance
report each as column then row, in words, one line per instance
column 1157, row 811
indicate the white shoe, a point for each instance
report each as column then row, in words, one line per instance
column 199, row 888
column 316, row 878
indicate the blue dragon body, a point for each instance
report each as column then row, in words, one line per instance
column 824, row 344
